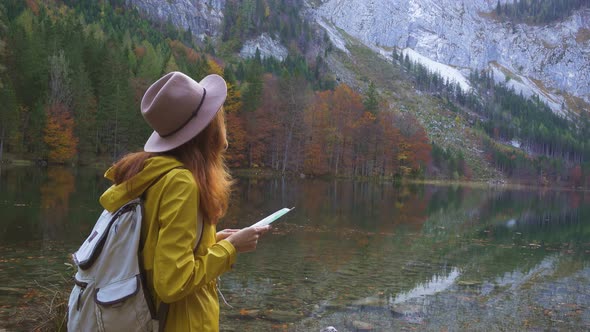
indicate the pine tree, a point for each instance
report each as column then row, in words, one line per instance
column 84, row 111
column 371, row 100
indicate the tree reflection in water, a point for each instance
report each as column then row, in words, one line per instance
column 397, row 257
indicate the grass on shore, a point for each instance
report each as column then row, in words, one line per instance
column 45, row 307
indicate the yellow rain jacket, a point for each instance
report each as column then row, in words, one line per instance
column 175, row 274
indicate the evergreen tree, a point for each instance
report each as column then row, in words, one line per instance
column 252, row 87
column 84, row 110
column 371, row 100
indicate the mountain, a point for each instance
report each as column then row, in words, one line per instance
column 451, row 37
column 202, row 18
column 385, row 89
column 551, row 60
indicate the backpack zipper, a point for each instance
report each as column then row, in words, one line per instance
column 82, row 286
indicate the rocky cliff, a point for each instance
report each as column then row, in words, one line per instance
column 202, row 18
column 464, row 35
column 544, row 60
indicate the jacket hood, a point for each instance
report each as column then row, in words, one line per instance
column 153, row 169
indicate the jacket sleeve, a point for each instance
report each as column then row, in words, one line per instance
column 177, row 271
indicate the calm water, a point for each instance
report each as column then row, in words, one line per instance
column 351, row 255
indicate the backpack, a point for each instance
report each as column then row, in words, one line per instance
column 110, row 291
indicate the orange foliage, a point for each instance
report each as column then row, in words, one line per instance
column 415, row 144
column 34, row 6
column 236, row 134
column 59, row 134
column 342, row 138
column 332, row 135
column 139, row 51
column 180, row 49
column 262, row 126
column 317, row 121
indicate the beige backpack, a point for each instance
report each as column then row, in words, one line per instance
column 110, row 292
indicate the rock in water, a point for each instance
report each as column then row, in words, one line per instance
column 282, row 316
column 372, row 301
column 362, row 326
column 329, row 329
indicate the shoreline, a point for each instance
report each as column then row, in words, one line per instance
column 263, row 173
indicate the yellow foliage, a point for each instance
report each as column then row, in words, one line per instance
column 59, row 135
column 214, row 67
column 233, row 102
column 266, row 11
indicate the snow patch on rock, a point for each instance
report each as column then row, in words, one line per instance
column 334, row 36
column 447, row 72
column 527, row 87
column 461, row 34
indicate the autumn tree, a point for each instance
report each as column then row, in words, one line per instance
column 414, row 146
column 59, row 126
column 59, row 134
column 236, row 133
column 294, row 95
column 262, row 126
column 318, row 131
column 387, row 145
column 347, row 108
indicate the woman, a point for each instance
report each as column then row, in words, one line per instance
column 182, row 178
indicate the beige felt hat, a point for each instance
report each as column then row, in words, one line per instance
column 178, row 108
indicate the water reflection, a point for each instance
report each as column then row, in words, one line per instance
column 336, row 204
column 437, row 284
column 55, row 199
column 441, row 256
column 395, row 257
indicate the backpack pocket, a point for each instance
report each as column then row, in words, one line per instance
column 123, row 303
column 77, row 309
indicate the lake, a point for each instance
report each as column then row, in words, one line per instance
column 353, row 255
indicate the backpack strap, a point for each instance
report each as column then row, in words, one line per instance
column 162, row 316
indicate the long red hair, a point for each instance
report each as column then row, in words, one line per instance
column 204, row 157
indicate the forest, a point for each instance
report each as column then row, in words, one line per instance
column 538, row 11
column 73, row 78
column 550, row 147
column 72, row 75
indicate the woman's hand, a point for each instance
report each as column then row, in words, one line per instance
column 246, row 239
column 224, row 234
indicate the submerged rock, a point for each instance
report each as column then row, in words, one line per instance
column 410, row 313
column 371, row 301
column 406, row 309
column 282, row 316
column 362, row 326
column 469, row 283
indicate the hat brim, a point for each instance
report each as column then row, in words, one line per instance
column 216, row 94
